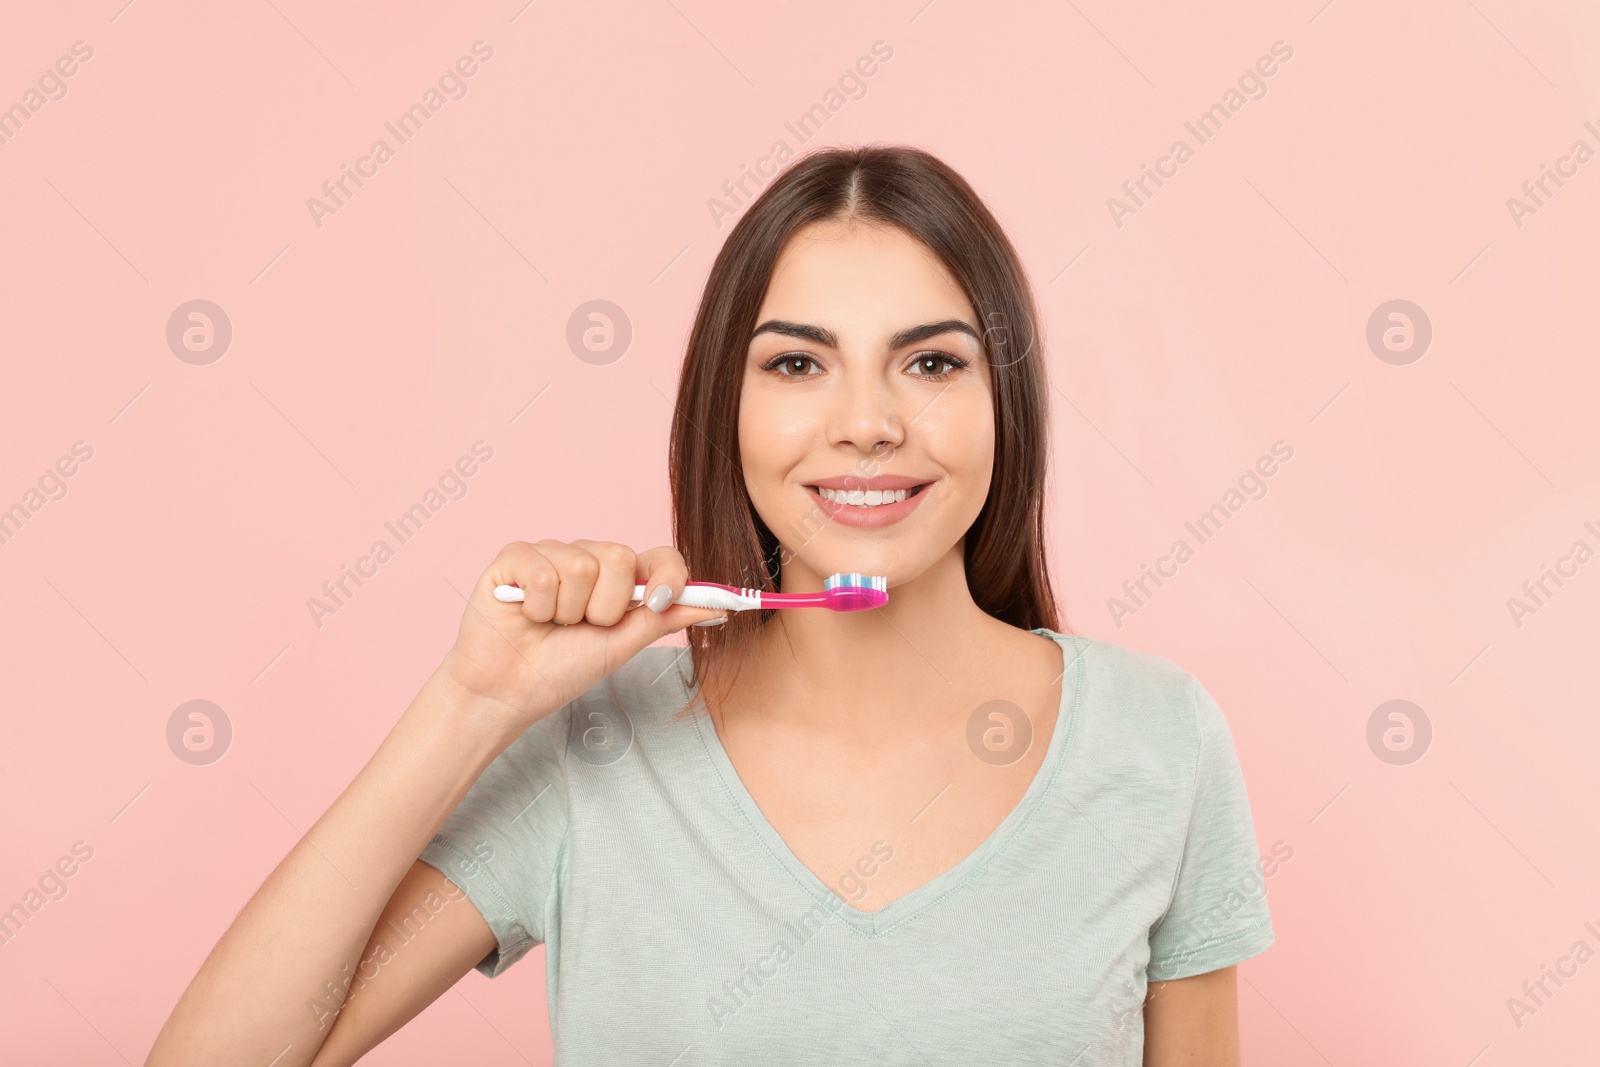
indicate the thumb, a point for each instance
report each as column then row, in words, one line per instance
column 641, row 627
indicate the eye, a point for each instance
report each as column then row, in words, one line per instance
column 790, row 361
column 925, row 359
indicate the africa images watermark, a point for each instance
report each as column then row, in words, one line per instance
column 1566, row 567
column 1537, row 992
column 451, row 485
column 1250, row 887
column 814, row 520
column 1252, row 85
column 52, row 885
column 1538, row 192
column 1001, row 350
column 739, row 192
column 51, row 86
column 737, row 992
column 452, row 85
column 52, row 485
column 336, row 994
column 1252, row 485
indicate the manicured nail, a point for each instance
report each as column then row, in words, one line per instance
column 711, row 622
column 658, row 600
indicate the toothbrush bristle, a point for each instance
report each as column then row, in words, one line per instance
column 856, row 592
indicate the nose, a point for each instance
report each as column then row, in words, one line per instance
column 866, row 415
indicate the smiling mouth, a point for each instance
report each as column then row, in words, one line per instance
column 867, row 498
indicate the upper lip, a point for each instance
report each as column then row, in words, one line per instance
column 880, row 482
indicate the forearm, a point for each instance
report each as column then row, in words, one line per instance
column 282, row 969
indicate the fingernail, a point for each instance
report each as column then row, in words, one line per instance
column 659, row 598
column 711, row 622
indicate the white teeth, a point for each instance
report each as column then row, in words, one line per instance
column 869, row 498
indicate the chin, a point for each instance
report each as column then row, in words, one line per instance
column 899, row 552
column 884, row 559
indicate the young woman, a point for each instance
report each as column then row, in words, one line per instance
column 939, row 831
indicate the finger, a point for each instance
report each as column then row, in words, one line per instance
column 657, row 567
column 521, row 564
column 642, row 627
column 579, row 571
column 614, row 587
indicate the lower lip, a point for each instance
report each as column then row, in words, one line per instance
column 870, row 518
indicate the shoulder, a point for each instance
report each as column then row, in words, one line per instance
column 641, row 697
column 648, row 687
column 651, row 683
column 1135, row 679
column 595, row 730
column 1134, row 697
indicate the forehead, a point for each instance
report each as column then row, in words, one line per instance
column 861, row 275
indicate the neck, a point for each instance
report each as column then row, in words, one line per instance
column 852, row 669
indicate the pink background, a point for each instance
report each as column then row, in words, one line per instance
column 1227, row 313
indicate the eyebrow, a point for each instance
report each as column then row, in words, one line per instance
column 827, row 338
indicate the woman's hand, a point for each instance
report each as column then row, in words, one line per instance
column 314, row 919
column 525, row 660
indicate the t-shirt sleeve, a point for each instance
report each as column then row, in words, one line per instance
column 505, row 842
column 1218, row 912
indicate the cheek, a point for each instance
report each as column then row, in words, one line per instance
column 961, row 440
column 771, row 413
column 768, row 444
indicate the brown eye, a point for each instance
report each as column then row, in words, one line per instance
column 790, row 362
column 930, row 360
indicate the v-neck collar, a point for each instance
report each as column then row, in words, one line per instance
column 908, row 905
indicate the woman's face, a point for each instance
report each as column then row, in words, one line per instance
column 865, row 377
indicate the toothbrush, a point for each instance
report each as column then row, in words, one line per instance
column 841, row 592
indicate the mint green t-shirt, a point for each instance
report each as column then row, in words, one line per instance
column 681, row 930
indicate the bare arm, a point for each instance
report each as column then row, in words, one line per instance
column 273, row 984
column 1193, row 1022
column 281, row 977
column 426, row 939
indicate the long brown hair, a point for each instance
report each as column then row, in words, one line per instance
column 715, row 525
